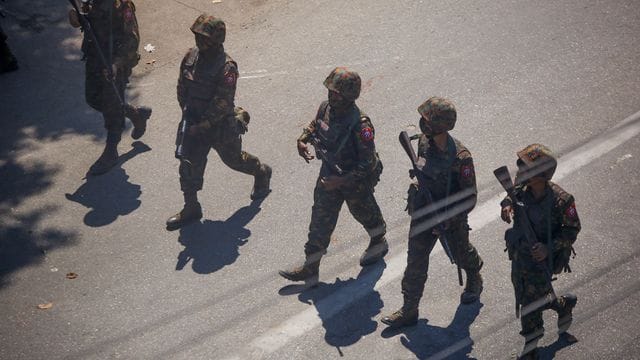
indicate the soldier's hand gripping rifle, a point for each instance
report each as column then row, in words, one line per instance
column 323, row 154
column 86, row 27
column 423, row 189
column 522, row 224
column 182, row 138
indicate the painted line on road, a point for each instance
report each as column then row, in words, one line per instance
column 277, row 337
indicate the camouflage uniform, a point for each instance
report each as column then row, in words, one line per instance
column 348, row 135
column 451, row 173
column 359, row 160
column 206, row 91
column 451, row 182
column 118, row 39
column 556, row 224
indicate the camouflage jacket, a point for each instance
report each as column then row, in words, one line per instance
column 555, row 221
column 207, row 87
column 122, row 28
column 358, row 157
column 450, row 174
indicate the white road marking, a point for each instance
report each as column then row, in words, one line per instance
column 277, row 337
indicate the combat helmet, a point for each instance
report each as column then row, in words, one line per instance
column 535, row 160
column 438, row 113
column 345, row 82
column 211, row 27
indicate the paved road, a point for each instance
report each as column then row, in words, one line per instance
column 519, row 71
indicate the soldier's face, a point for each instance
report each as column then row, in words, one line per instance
column 425, row 127
column 337, row 101
column 202, row 42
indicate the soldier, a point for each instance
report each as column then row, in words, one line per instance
column 206, row 91
column 452, row 186
column 344, row 136
column 554, row 220
column 116, row 31
column 8, row 62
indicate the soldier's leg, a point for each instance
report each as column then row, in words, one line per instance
column 536, row 297
column 231, row 153
column 137, row 114
column 364, row 208
column 414, row 279
column 564, row 307
column 191, row 181
column 324, row 216
column 102, row 97
column 467, row 257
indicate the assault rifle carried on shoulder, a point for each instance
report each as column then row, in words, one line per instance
column 423, row 189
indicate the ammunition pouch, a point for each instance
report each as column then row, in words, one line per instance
column 561, row 260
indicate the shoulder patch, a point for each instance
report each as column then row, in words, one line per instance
column 128, row 13
column 230, row 74
column 571, row 211
column 366, row 134
column 466, row 171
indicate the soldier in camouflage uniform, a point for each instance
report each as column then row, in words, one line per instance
column 348, row 136
column 8, row 62
column 554, row 220
column 206, row 92
column 449, row 168
column 116, row 28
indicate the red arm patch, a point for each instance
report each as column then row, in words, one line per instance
column 466, row 171
column 366, row 134
column 571, row 211
column 230, row 79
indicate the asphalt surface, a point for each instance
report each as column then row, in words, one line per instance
column 563, row 74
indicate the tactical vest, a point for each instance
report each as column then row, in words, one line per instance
column 337, row 134
column 200, row 80
column 439, row 169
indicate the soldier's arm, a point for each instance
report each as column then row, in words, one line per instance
column 311, row 127
column 126, row 35
column 570, row 225
column 365, row 144
column 222, row 104
column 180, row 88
column 467, row 180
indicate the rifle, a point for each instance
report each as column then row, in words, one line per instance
column 323, row 154
column 423, row 188
column 522, row 222
column 182, row 150
column 86, row 27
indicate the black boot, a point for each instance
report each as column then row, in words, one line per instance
column 191, row 212
column 407, row 315
column 565, row 313
column 377, row 249
column 138, row 116
column 261, row 183
column 473, row 287
column 309, row 272
column 109, row 157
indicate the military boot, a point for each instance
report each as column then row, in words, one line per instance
column 138, row 116
column 109, row 157
column 565, row 314
column 309, row 272
column 473, row 288
column 261, row 183
column 406, row 316
column 191, row 212
column 378, row 248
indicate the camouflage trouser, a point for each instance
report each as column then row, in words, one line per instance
column 101, row 96
column 534, row 294
column 420, row 247
column 326, row 208
column 228, row 143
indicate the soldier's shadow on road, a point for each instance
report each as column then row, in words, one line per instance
column 346, row 326
column 451, row 342
column 212, row 245
column 549, row 351
column 110, row 195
